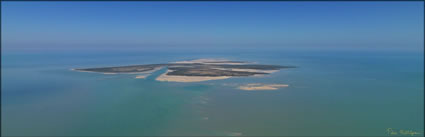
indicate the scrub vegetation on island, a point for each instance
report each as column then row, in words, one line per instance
column 194, row 70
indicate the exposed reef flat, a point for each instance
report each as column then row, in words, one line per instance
column 194, row 70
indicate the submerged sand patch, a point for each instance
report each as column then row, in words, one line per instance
column 235, row 134
column 259, row 86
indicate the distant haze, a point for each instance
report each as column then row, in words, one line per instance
column 213, row 25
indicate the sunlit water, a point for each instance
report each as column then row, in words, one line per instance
column 329, row 93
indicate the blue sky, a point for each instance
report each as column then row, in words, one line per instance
column 213, row 25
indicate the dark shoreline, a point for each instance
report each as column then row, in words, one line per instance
column 211, row 68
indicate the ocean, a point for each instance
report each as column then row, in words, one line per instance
column 332, row 93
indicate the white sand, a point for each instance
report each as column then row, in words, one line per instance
column 165, row 77
column 259, row 86
column 81, row 70
column 141, row 76
column 187, row 78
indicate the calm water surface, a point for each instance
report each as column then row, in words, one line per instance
column 330, row 93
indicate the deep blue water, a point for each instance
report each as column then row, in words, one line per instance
column 330, row 93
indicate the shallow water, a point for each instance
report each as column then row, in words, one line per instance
column 330, row 93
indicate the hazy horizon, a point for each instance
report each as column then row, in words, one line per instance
column 213, row 25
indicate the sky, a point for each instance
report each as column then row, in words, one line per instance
column 213, row 25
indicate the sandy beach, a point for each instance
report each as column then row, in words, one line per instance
column 141, row 76
column 165, row 77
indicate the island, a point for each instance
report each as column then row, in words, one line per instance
column 194, row 70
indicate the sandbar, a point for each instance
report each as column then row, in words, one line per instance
column 259, row 86
column 141, row 76
column 173, row 78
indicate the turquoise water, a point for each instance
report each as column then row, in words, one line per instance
column 330, row 93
